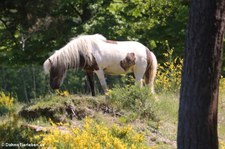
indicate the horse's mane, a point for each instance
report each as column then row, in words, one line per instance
column 69, row 55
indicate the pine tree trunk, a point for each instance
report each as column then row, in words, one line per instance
column 197, row 126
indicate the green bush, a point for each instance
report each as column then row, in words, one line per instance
column 133, row 98
column 12, row 132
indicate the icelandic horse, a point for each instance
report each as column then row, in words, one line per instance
column 96, row 54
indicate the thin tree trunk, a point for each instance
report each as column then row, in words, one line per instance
column 24, row 85
column 2, row 77
column 197, row 127
column 25, row 91
column 34, row 81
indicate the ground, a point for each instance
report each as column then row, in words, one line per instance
column 159, row 131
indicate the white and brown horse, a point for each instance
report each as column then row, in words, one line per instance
column 96, row 54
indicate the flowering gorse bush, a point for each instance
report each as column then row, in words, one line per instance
column 168, row 76
column 62, row 93
column 93, row 136
column 222, row 83
column 222, row 144
column 6, row 103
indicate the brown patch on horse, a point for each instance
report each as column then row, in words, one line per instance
column 149, row 63
column 128, row 61
column 94, row 65
column 88, row 67
column 111, row 41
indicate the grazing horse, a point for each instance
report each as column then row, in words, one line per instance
column 96, row 54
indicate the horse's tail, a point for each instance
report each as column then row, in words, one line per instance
column 151, row 70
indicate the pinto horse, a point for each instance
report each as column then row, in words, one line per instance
column 96, row 54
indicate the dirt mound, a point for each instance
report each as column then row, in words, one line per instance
column 70, row 108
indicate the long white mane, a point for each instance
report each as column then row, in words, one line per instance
column 69, row 55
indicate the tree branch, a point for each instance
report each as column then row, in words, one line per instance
column 8, row 29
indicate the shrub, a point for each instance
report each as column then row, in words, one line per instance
column 168, row 76
column 222, row 144
column 222, row 83
column 93, row 136
column 133, row 98
column 6, row 103
column 12, row 132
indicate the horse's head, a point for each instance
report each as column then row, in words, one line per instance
column 57, row 74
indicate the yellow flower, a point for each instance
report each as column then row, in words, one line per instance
column 93, row 136
column 62, row 93
column 222, row 144
column 108, row 92
column 6, row 101
column 169, row 73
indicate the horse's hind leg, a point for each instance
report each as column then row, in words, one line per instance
column 149, row 79
column 150, row 73
column 101, row 78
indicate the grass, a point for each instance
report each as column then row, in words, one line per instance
column 167, row 109
column 167, row 106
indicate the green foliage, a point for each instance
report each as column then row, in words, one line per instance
column 11, row 131
column 133, row 98
column 32, row 29
column 151, row 22
column 28, row 83
column 25, row 83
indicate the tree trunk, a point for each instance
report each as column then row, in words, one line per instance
column 197, row 126
column 34, row 81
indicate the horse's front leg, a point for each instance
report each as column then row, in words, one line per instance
column 90, row 78
column 101, row 77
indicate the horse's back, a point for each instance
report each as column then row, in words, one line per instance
column 131, row 46
column 121, row 48
column 120, row 56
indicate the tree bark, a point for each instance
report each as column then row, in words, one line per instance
column 197, row 126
